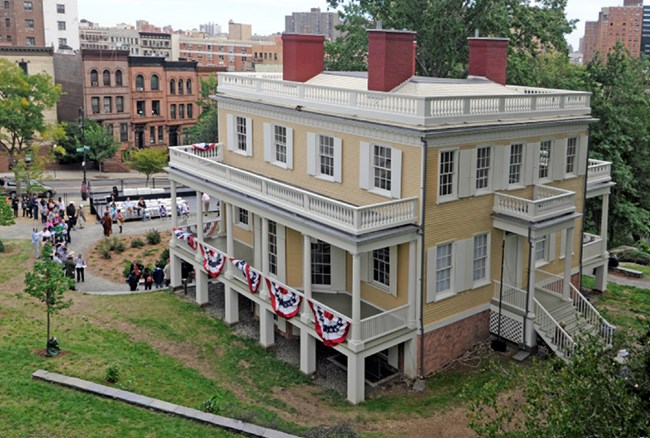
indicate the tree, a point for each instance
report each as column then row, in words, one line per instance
column 148, row 161
column 103, row 145
column 206, row 128
column 47, row 282
column 23, row 100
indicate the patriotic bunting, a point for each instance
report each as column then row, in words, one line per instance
column 181, row 234
column 252, row 277
column 211, row 229
column 285, row 303
column 331, row 328
column 204, row 146
column 213, row 261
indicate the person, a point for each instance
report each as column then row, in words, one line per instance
column 158, row 276
column 80, row 266
column 128, row 205
column 69, row 266
column 206, row 203
column 120, row 219
column 36, row 241
column 24, row 204
column 132, row 280
column 167, row 273
column 107, row 223
column 148, row 278
column 35, row 207
column 81, row 218
column 162, row 211
column 14, row 205
column 184, row 211
column 84, row 190
column 114, row 193
column 142, row 208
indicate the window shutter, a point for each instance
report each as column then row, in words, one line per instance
column 290, row 148
column 558, row 159
column 464, row 171
column 230, row 122
column 338, row 159
column 268, row 142
column 396, row 173
column 583, row 143
column 282, row 252
column 552, row 247
column 562, row 243
column 311, row 153
column 431, row 274
column 472, row 170
column 339, row 263
column 531, row 164
column 365, row 266
column 459, row 265
column 364, row 165
column 499, row 167
column 393, row 269
column 249, row 136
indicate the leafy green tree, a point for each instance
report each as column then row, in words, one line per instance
column 6, row 213
column 47, row 283
column 103, row 145
column 206, row 128
column 148, row 161
column 23, row 100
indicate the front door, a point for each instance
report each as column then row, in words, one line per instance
column 513, row 260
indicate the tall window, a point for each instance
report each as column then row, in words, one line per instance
column 61, row 25
column 544, row 158
column 7, row 21
column 29, row 23
column 190, row 111
column 155, row 82
column 29, row 6
column 139, row 83
column 63, row 42
column 30, row 41
column 119, row 104
column 124, row 132
column 483, row 167
column 273, row 248
column 326, row 155
column 60, row 9
column 180, row 86
column 152, row 134
column 140, row 108
column 161, row 134
column 571, row 152
column 480, row 257
column 540, row 249
column 109, row 129
column 94, row 78
column 443, row 267
column 172, row 111
column 172, row 87
column 382, row 167
column 243, row 216
column 108, row 105
column 188, row 86
column 321, row 263
column 280, row 143
column 94, row 104
column 516, row 161
column 381, row 266
column 155, row 107
column 447, row 173
column 107, row 78
column 118, row 78
column 241, row 133
column 181, row 110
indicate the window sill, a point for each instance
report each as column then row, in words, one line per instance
column 383, row 288
column 481, row 283
column 440, row 296
column 280, row 164
column 325, row 178
column 240, row 152
column 515, row 186
column 380, row 192
column 540, row 263
column 243, row 226
column 483, row 192
column 450, row 198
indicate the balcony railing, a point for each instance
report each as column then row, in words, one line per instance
column 592, row 247
column 511, row 295
column 599, row 171
column 341, row 215
column 547, row 202
column 523, row 102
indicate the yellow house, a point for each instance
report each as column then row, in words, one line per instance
column 396, row 219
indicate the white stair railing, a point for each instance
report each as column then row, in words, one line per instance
column 603, row 328
column 554, row 332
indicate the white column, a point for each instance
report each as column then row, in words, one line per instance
column 307, row 353
column 267, row 327
column 231, row 296
column 568, row 260
column 201, row 285
column 601, row 277
column 603, row 222
column 412, row 284
column 411, row 357
column 356, row 378
column 174, row 269
column 356, row 299
column 264, row 293
column 306, row 278
column 199, row 216
column 531, row 279
column 231, row 305
column 174, row 206
column 230, row 240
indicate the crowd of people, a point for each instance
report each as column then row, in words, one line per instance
column 159, row 276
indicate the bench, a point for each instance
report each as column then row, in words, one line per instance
column 628, row 272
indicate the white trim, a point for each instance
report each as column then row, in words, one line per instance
column 457, row 317
column 558, row 159
column 289, row 164
column 396, row 173
column 242, row 225
column 464, row 170
column 365, row 164
column 393, row 266
column 488, row 279
column 231, row 129
column 432, row 259
column 268, row 142
column 454, row 189
column 249, row 136
column 338, row 159
column 311, row 153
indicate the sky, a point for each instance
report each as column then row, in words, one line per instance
column 266, row 16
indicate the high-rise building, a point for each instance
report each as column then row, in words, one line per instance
column 22, row 23
column 61, row 23
column 211, row 29
column 645, row 31
column 313, row 22
column 615, row 24
column 239, row 31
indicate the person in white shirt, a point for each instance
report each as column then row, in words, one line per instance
column 80, row 266
column 37, row 236
column 206, row 203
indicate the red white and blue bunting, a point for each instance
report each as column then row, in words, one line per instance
column 332, row 329
column 285, row 303
column 252, row 277
column 211, row 229
column 204, row 146
column 181, row 234
column 213, row 261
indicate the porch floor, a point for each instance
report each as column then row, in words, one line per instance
column 548, row 300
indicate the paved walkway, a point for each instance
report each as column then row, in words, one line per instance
column 158, row 405
column 641, row 283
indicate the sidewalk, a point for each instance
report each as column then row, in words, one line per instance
column 92, row 175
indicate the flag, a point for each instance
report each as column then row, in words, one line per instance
column 204, row 147
column 285, row 303
column 332, row 329
column 213, row 261
column 252, row 277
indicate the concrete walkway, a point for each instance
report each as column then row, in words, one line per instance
column 641, row 283
column 158, row 405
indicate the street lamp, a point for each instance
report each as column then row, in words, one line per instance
column 83, row 140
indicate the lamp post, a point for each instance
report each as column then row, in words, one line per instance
column 83, row 140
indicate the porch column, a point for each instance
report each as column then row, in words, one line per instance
column 230, row 240
column 531, row 278
column 174, row 206
column 393, row 356
column 267, row 324
column 231, row 305
column 356, row 378
column 601, row 277
column 174, row 269
column 356, row 300
column 412, row 284
column 230, row 295
column 411, row 357
column 222, row 210
column 267, row 327
column 199, row 216
column 264, row 293
column 307, row 353
column 306, row 279
column 568, row 260
column 201, row 284
column 604, row 222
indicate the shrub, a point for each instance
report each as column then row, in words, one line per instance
column 104, row 249
column 2, row 246
column 127, row 268
column 137, row 243
column 116, row 245
column 112, row 373
column 164, row 255
column 153, row 237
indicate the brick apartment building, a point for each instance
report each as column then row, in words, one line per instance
column 615, row 24
column 22, row 23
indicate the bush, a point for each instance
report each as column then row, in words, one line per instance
column 112, row 373
column 2, row 246
column 137, row 243
column 104, row 249
column 116, row 245
column 127, row 268
column 153, row 237
column 164, row 255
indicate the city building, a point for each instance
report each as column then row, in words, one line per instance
column 22, row 23
column 313, row 22
column 645, row 31
column 239, row 31
column 61, row 22
column 211, row 29
column 397, row 219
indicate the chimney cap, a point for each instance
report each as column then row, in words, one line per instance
column 487, row 39
column 391, row 31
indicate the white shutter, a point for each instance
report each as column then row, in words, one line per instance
column 282, row 252
column 365, row 163
column 552, row 247
column 431, row 274
column 583, row 144
column 231, row 128
column 339, row 263
column 289, row 148
column 249, row 137
column 396, row 173
column 268, row 142
column 460, row 264
column 365, row 263
column 472, row 170
column 499, row 167
column 256, row 221
column 558, row 159
column 464, row 172
column 531, row 164
column 562, row 243
column 311, row 153
column 338, row 159
column 393, row 254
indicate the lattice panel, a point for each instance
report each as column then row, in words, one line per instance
column 511, row 329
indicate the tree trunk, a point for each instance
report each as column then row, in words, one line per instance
column 48, row 328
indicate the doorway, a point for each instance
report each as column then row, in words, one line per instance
column 513, row 261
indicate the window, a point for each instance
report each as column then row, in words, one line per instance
column 94, row 104
column 161, row 134
column 152, row 135
column 571, row 152
column 321, row 263
column 443, row 267
column 6, row 4
column 155, row 107
column 119, row 104
column 140, row 108
column 29, row 6
column 172, row 87
column 190, row 111
column 23, row 66
column 381, row 267
column 29, row 23
column 30, row 41
column 172, row 111
column 108, row 105
column 118, row 78
column 280, row 143
column 447, row 173
column 61, row 25
column 382, row 167
column 109, row 129
column 544, row 158
column 63, row 42
column 180, row 86
column 541, row 249
column 188, row 86
column 241, row 134
column 155, row 82
column 516, row 161
column 8, row 38
column 483, row 168
column 480, row 257
column 107, row 78
column 181, row 111
column 139, row 83
column 273, row 248
column 242, row 218
column 7, row 22
column 326, row 155
column 60, row 9
column 94, row 78
column 124, row 132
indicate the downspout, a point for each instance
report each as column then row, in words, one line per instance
column 584, row 207
column 530, row 264
column 423, row 198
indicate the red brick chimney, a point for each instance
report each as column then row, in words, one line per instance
column 488, row 58
column 302, row 56
column 391, row 58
